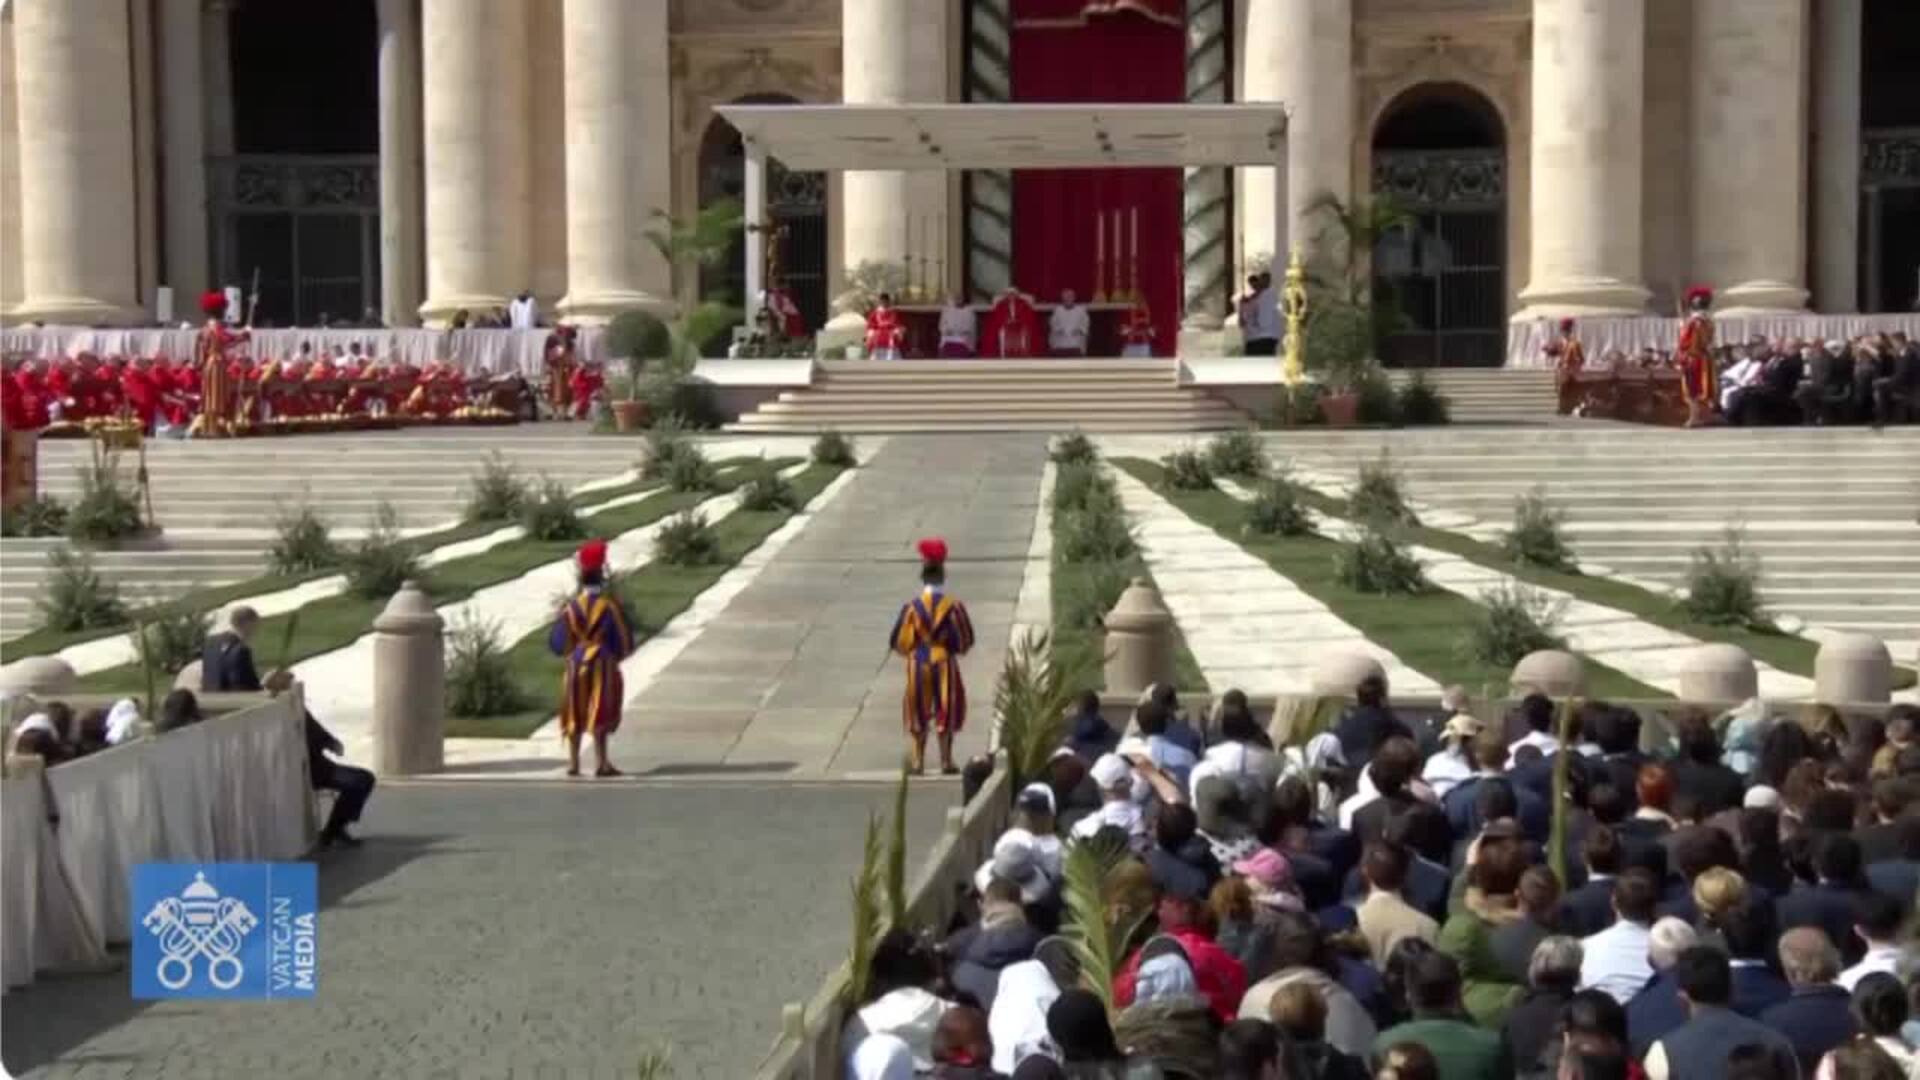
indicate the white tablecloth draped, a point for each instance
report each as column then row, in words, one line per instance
column 490, row 352
column 233, row 788
column 1526, row 341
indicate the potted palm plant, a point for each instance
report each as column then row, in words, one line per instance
column 660, row 354
column 1347, row 321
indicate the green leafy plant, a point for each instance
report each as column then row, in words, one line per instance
column 656, row 1063
column 1514, row 620
column 1237, row 454
column 687, row 540
column 1377, row 496
column 480, row 678
column 1296, row 406
column 639, row 338
column 666, row 442
column 1096, row 533
column 1417, row 404
column 174, row 637
column 1187, row 469
column 1074, row 448
column 1378, row 563
column 382, row 560
column 1098, row 586
column 689, row 245
column 1723, row 584
column 690, row 402
column 1097, row 941
column 896, row 861
column 691, row 471
column 497, row 492
column 1277, row 508
column 40, row 515
column 1535, row 538
column 833, row 448
column 1079, row 486
column 1031, row 700
column 1377, row 404
column 549, row 513
column 867, row 921
column 107, row 510
column 75, row 596
column 301, row 542
column 769, row 491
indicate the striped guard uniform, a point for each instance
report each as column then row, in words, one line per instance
column 592, row 636
column 933, row 632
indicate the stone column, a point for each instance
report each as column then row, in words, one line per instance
column 1749, row 153
column 1299, row 53
column 1836, row 149
column 9, row 172
column 78, row 217
column 1585, row 159
column 477, row 174
column 401, row 274
column 989, row 262
column 618, row 168
column 1205, row 251
column 216, row 53
column 183, row 152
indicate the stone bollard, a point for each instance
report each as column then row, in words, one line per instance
column 44, row 677
column 1853, row 668
column 1551, row 672
column 409, row 685
column 1717, row 673
column 1337, row 673
column 1139, row 643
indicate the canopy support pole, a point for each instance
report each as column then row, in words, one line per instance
column 1282, row 212
column 756, row 224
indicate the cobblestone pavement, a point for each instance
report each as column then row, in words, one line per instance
column 524, row 930
column 794, row 675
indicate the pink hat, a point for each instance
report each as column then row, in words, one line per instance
column 1267, row 867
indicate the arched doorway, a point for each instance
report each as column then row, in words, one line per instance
column 796, row 205
column 1890, row 156
column 296, row 198
column 1439, row 154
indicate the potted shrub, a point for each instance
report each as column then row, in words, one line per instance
column 639, row 338
column 1346, row 321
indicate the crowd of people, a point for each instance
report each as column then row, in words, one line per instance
column 1385, row 901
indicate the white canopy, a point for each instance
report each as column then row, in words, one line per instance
column 1011, row 136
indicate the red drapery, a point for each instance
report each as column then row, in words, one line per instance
column 1099, row 51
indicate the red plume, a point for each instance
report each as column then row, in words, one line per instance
column 933, row 550
column 1699, row 294
column 593, row 555
column 213, row 302
column 1566, row 326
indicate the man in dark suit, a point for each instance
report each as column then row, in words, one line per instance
column 1771, row 400
column 1817, row 1016
column 1896, row 394
column 226, row 664
column 1829, row 904
column 1698, row 770
column 1589, row 908
column 1699, row 1048
column 1827, row 394
column 1748, row 931
column 1370, row 722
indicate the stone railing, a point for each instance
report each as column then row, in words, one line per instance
column 808, row 1047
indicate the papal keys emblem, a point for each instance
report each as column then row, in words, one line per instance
column 200, row 923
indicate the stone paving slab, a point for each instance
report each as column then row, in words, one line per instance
column 526, row 930
column 796, row 668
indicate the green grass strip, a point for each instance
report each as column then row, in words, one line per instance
column 1424, row 631
column 337, row 621
column 44, row 642
column 1775, row 648
column 658, row 591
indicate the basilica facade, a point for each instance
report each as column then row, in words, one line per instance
column 415, row 158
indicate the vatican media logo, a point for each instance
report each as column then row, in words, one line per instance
column 225, row 930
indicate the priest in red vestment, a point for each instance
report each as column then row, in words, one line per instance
column 1013, row 326
column 1136, row 334
column 783, row 313
column 886, row 333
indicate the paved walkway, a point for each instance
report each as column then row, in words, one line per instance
column 522, row 930
column 794, row 676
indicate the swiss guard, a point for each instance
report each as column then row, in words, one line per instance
column 932, row 633
column 210, row 351
column 1699, row 384
column 591, row 635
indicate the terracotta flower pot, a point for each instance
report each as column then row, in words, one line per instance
column 1340, row 410
column 630, row 416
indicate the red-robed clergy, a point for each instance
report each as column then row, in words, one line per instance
column 585, row 383
column 1013, row 326
column 886, row 332
column 591, row 635
column 1694, row 357
column 210, row 353
column 933, row 632
column 560, row 364
column 141, row 391
column 786, row 313
column 1136, row 334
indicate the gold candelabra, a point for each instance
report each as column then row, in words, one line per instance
column 1294, row 296
column 1116, row 262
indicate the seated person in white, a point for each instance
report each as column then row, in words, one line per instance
column 1067, row 327
column 958, row 328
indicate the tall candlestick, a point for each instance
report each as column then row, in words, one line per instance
column 1099, row 258
column 1133, row 253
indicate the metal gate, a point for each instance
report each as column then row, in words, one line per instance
column 1447, row 273
column 1890, row 225
column 309, row 225
column 797, row 209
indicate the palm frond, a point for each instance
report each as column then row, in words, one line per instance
column 896, row 866
column 1036, row 688
column 701, row 323
column 866, row 912
column 1095, row 941
column 1557, row 831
